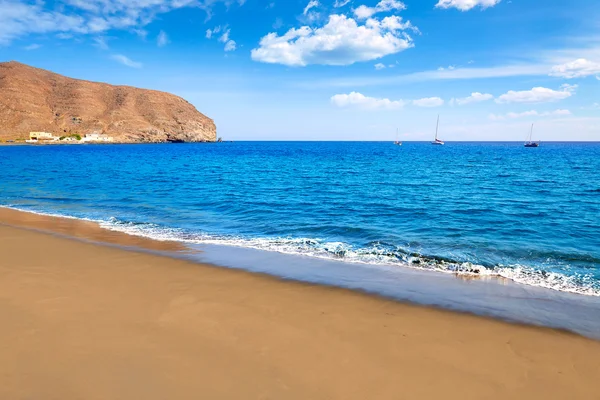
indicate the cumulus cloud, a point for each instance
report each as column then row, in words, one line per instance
column 162, row 39
column 76, row 17
column 359, row 100
column 428, row 102
column 475, row 97
column 364, row 12
column 579, row 68
column 379, row 66
column 532, row 113
column 466, row 5
column 537, row 95
column 341, row 41
column 126, row 61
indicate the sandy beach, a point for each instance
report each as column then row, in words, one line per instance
column 89, row 321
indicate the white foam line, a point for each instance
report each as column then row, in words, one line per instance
column 322, row 250
column 289, row 246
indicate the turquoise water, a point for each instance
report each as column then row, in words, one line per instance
column 531, row 215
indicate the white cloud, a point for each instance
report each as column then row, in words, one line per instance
column 379, row 66
column 340, row 42
column 162, row 39
column 278, row 23
column 340, row 3
column 475, row 97
column 501, row 71
column 428, row 102
column 537, row 95
column 532, row 113
column 579, row 68
column 100, row 42
column 142, row 33
column 465, row 5
column 20, row 18
column 364, row 12
column 309, row 16
column 64, row 36
column 311, row 4
column 126, row 61
column 231, row 45
column 358, row 100
column 33, row 46
column 225, row 36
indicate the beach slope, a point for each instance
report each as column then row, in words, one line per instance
column 86, row 321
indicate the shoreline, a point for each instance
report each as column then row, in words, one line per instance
column 156, row 327
column 475, row 295
column 82, row 229
column 20, row 143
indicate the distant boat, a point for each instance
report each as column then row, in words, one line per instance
column 531, row 143
column 437, row 141
column 396, row 142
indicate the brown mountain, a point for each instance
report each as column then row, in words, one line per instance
column 33, row 99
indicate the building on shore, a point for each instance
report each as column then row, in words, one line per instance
column 37, row 136
column 97, row 137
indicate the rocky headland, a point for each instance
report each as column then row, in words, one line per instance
column 33, row 99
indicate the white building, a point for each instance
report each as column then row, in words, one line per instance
column 97, row 137
column 35, row 136
column 38, row 137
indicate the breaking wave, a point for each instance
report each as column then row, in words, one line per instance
column 374, row 253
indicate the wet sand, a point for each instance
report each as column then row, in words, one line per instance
column 87, row 230
column 86, row 321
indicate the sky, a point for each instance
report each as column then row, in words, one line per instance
column 335, row 69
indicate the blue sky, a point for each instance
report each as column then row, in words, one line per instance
column 335, row 69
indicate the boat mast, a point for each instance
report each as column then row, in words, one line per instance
column 436, row 127
column 531, row 133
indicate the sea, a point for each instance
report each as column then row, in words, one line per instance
column 366, row 215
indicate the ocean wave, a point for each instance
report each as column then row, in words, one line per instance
column 375, row 253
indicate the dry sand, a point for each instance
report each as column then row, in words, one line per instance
column 87, row 321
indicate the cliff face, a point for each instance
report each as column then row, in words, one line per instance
column 32, row 99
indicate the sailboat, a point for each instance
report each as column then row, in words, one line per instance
column 396, row 142
column 437, row 141
column 530, row 143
